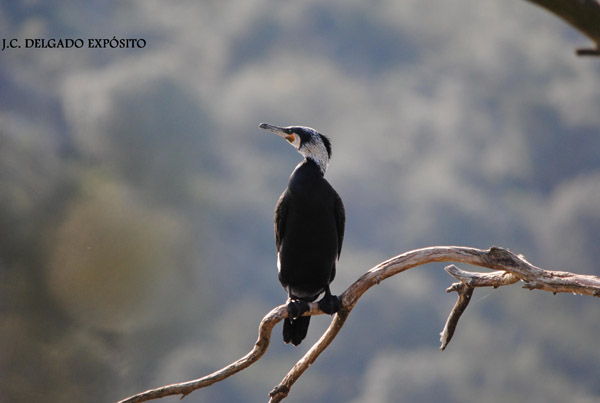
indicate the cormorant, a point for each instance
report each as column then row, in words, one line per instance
column 309, row 230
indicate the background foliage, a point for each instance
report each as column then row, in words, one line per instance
column 136, row 195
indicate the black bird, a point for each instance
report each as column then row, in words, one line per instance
column 309, row 230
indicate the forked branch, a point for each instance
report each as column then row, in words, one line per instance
column 509, row 269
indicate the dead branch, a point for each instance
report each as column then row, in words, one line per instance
column 510, row 268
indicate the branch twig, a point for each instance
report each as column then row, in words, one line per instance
column 510, row 268
column 465, row 292
column 468, row 282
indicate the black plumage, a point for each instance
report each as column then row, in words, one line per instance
column 309, row 230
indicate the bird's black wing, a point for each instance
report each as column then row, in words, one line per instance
column 280, row 216
column 340, row 221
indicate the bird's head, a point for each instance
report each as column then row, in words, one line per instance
column 309, row 142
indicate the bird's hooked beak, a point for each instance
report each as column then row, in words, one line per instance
column 280, row 131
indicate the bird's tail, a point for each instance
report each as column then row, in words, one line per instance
column 295, row 330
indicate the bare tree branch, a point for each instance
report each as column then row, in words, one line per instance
column 510, row 268
column 185, row 388
column 281, row 391
column 494, row 279
column 533, row 277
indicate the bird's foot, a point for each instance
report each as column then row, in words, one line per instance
column 330, row 304
column 296, row 308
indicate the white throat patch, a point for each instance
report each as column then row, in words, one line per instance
column 316, row 152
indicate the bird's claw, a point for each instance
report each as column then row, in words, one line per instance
column 330, row 304
column 296, row 308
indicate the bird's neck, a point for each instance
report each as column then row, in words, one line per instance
column 309, row 164
column 320, row 159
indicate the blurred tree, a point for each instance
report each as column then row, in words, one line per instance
column 583, row 15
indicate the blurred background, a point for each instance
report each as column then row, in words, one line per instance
column 137, row 195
